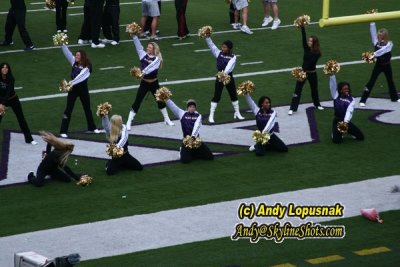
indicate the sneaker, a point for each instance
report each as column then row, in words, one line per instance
column 64, row 135
column 106, row 41
column 99, row 45
column 34, row 143
column 65, row 31
column 267, row 20
column 362, row 104
column 29, row 48
column 275, row 24
column 5, row 43
column 143, row 35
column 246, row 29
column 96, row 131
column 114, row 43
column 252, row 148
column 154, row 38
column 80, row 41
column 320, row 108
column 290, row 112
column 58, row 31
column 31, row 176
column 236, row 26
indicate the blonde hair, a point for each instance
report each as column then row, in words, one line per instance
column 157, row 52
column 116, row 128
column 64, row 148
column 384, row 34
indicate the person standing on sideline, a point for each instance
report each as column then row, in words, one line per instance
column 311, row 55
column 96, row 21
column 268, row 4
column 111, row 22
column 150, row 63
column 61, row 15
column 265, row 120
column 191, row 124
column 81, row 69
column 383, row 54
column 243, row 7
column 16, row 17
column 226, row 62
column 180, row 6
column 343, row 104
column 85, row 34
column 150, row 8
column 117, row 134
column 8, row 98
column 149, row 21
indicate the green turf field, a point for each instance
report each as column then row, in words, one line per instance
column 169, row 186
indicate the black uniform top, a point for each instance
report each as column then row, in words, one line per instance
column 6, row 90
column 112, row 2
column 17, row 4
column 309, row 58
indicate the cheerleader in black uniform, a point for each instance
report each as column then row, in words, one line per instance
column 81, row 69
column 118, row 135
column 383, row 47
column 310, row 57
column 8, row 98
column 54, row 162
column 191, row 124
column 343, row 104
column 150, row 62
column 226, row 61
column 265, row 120
column 61, row 15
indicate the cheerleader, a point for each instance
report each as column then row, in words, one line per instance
column 8, row 98
column 54, row 162
column 61, row 15
column 81, row 69
column 191, row 124
column 383, row 47
column 150, row 63
column 117, row 134
column 265, row 120
column 311, row 55
column 226, row 61
column 343, row 104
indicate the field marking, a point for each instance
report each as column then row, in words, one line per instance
column 187, row 225
column 202, row 50
column 129, row 87
column 284, row 265
column 251, row 63
column 18, row 88
column 75, row 14
column 370, row 251
column 179, row 44
column 325, row 259
column 111, row 68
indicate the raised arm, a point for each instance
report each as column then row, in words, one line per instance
column 124, row 136
column 214, row 50
column 152, row 66
column 175, row 109
column 68, row 55
column 304, row 38
column 372, row 30
column 105, row 122
column 250, row 102
column 231, row 65
column 196, row 127
column 139, row 47
column 83, row 75
column 349, row 112
column 271, row 123
column 333, row 87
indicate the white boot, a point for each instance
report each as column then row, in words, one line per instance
column 212, row 110
column 131, row 116
column 167, row 121
column 236, row 115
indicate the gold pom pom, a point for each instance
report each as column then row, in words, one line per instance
column 372, row 11
column 51, row 4
column 261, row 138
column 133, row 29
column 85, row 180
column 368, row 57
column 302, row 21
column 246, row 87
column 65, row 86
column 342, row 127
column 331, row 67
column 299, row 74
column 136, row 73
column 2, row 109
column 103, row 109
column 191, row 142
column 223, row 77
column 114, row 151
column 205, row 31
column 60, row 39
column 163, row 94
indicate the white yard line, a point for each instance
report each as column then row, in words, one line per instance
column 251, row 63
column 75, row 14
column 192, row 224
column 112, row 68
column 202, row 50
column 129, row 87
column 179, row 44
